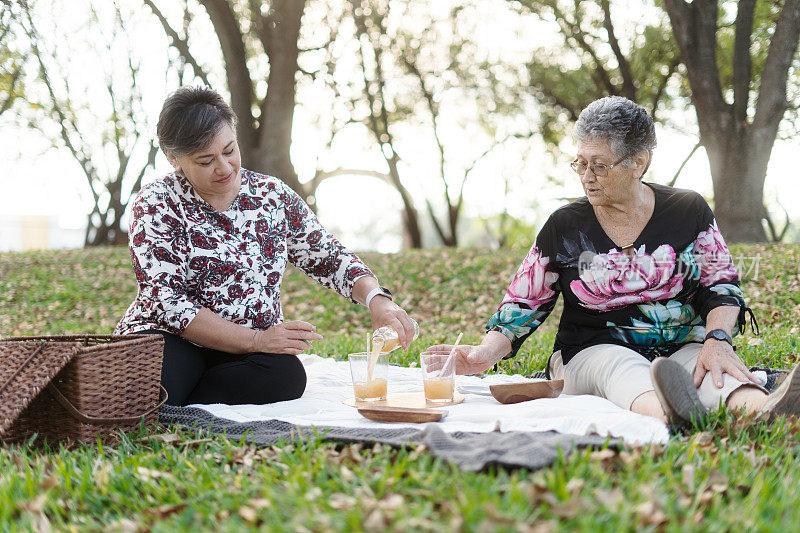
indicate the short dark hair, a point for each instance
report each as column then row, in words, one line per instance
column 190, row 118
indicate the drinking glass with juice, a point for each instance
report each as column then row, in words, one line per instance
column 438, row 377
column 369, row 376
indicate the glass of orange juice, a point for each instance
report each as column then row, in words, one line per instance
column 369, row 371
column 438, row 378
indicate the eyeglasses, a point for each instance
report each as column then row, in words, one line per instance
column 598, row 169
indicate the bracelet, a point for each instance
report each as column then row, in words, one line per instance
column 377, row 291
column 253, row 347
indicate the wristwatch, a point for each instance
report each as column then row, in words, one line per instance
column 719, row 335
column 378, row 291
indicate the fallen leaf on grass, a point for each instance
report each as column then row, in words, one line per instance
column 347, row 474
column 650, row 513
column 101, row 474
column 704, row 439
column 282, row 466
column 391, row 502
column 717, row 482
column 148, row 474
column 313, row 494
column 575, row 485
column 166, row 438
column 341, row 502
column 42, row 524
column 376, row 521
column 687, row 477
column 260, row 503
column 605, row 457
column 354, row 452
column 49, row 483
column 539, row 527
column 569, row 509
column 248, row 514
column 602, row 455
column 538, row 492
column 164, row 511
column 683, row 499
column 630, row 457
column 123, row 525
column 35, row 505
column 194, row 442
column 610, row 499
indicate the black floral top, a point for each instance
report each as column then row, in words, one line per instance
column 187, row 255
column 653, row 301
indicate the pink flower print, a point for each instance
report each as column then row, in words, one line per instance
column 532, row 284
column 614, row 280
column 713, row 257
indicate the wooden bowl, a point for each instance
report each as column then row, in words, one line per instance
column 383, row 413
column 523, row 392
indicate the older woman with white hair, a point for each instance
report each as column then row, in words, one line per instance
column 651, row 294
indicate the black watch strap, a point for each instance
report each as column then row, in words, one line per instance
column 719, row 335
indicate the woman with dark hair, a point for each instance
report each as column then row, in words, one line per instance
column 651, row 294
column 209, row 244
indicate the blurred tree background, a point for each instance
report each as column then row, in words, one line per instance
column 458, row 111
column 12, row 55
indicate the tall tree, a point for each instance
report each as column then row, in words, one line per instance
column 247, row 32
column 594, row 59
column 370, row 30
column 738, row 135
column 424, row 80
column 108, row 138
column 12, row 57
column 731, row 54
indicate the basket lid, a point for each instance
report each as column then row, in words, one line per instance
column 27, row 367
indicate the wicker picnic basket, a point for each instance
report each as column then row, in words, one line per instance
column 77, row 388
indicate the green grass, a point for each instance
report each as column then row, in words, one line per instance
column 731, row 474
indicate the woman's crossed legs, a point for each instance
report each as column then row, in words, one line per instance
column 622, row 376
column 194, row 374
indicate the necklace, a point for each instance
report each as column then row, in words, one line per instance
column 628, row 250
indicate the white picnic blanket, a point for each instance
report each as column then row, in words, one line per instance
column 329, row 384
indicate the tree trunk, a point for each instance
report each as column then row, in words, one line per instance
column 103, row 233
column 265, row 147
column 272, row 154
column 738, row 169
column 413, row 233
column 738, row 150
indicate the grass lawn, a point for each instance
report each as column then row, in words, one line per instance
column 727, row 475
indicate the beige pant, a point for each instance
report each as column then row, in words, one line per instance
column 621, row 375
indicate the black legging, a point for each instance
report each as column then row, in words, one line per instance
column 194, row 374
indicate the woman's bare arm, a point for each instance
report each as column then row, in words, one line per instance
column 211, row 330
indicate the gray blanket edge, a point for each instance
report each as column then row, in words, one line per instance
column 468, row 451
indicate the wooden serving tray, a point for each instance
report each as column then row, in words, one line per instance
column 382, row 413
column 522, row 392
column 414, row 400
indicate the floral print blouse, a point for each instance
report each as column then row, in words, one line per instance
column 187, row 255
column 653, row 301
